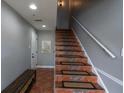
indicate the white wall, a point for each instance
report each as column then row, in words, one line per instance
column 16, row 39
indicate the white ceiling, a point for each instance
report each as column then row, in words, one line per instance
column 46, row 10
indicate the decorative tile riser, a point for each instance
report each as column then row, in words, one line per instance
column 68, row 48
column 60, row 78
column 64, row 32
column 73, row 63
column 58, row 34
column 65, row 37
column 66, row 44
column 68, row 67
column 61, row 53
column 62, row 59
column 63, row 90
column 68, row 41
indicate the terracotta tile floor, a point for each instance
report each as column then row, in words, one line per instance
column 44, row 81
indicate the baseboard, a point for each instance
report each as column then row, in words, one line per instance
column 100, row 81
column 39, row 66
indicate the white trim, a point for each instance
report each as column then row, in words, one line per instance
column 94, row 38
column 39, row 66
column 54, row 61
column 100, row 81
column 110, row 76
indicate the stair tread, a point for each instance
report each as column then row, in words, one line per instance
column 73, row 41
column 70, row 56
column 65, row 39
column 67, row 44
column 71, row 59
column 60, row 37
column 69, row 53
column 68, row 50
column 75, row 49
column 75, row 72
column 74, row 63
column 62, row 41
column 78, row 85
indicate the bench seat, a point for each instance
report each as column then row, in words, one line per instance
column 22, row 83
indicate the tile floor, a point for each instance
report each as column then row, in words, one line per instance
column 44, row 81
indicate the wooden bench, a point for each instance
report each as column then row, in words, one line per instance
column 23, row 83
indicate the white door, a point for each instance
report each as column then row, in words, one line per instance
column 34, row 50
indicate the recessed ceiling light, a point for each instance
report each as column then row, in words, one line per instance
column 44, row 26
column 33, row 6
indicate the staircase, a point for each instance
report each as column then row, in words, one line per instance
column 73, row 73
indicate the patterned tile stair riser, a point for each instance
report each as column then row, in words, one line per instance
column 75, row 49
column 68, row 53
column 66, row 59
column 73, row 73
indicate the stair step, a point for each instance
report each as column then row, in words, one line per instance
column 66, row 44
column 62, row 48
column 66, row 59
column 65, row 34
column 73, row 63
column 63, row 90
column 76, row 72
column 71, row 75
column 66, row 31
column 87, row 68
column 66, row 40
column 69, row 54
column 78, row 87
column 65, row 37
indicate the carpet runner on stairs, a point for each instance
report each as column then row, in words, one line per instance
column 73, row 73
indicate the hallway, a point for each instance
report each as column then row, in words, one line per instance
column 61, row 46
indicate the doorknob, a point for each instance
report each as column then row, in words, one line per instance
column 33, row 56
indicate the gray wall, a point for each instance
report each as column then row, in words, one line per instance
column 46, row 59
column 16, row 36
column 63, row 16
column 103, row 18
